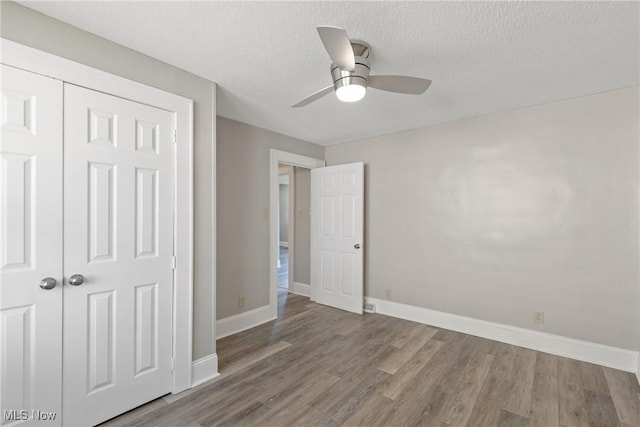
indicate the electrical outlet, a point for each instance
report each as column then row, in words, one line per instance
column 538, row 317
column 387, row 294
column 240, row 302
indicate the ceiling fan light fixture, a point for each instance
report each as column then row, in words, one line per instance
column 350, row 71
column 351, row 93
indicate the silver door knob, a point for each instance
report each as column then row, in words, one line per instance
column 48, row 283
column 356, row 246
column 76, row 280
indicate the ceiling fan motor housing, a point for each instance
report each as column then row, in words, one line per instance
column 360, row 75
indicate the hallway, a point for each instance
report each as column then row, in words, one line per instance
column 283, row 269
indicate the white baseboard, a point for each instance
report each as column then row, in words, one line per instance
column 300, row 289
column 243, row 321
column 204, row 369
column 284, row 244
column 613, row 357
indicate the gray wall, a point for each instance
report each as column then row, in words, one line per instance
column 284, row 213
column 497, row 216
column 302, row 226
column 243, row 195
column 33, row 29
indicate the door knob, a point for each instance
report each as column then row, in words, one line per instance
column 356, row 246
column 76, row 280
column 48, row 283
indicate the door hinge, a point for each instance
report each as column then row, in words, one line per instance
column 174, row 263
column 175, row 135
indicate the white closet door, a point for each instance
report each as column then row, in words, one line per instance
column 30, row 248
column 118, row 231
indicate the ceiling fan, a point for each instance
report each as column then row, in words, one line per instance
column 350, row 71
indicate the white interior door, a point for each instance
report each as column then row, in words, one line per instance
column 337, row 228
column 30, row 249
column 118, row 231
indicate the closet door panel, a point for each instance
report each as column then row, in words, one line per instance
column 30, row 248
column 118, row 213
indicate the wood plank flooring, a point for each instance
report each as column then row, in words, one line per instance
column 319, row 366
column 283, row 270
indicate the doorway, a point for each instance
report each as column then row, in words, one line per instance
column 336, row 200
column 294, row 231
column 297, row 215
column 286, row 226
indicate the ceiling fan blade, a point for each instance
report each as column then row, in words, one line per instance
column 338, row 45
column 314, row 96
column 399, row 84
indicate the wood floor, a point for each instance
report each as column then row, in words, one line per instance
column 318, row 366
column 283, row 270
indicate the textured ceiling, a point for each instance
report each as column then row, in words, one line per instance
column 483, row 57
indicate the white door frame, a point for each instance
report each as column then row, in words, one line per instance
column 39, row 62
column 277, row 156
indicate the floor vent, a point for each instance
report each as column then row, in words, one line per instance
column 369, row 307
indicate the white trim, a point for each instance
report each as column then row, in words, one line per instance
column 276, row 157
column 284, row 244
column 33, row 60
column 204, row 369
column 586, row 351
column 183, row 243
column 47, row 64
column 243, row 321
column 214, row 188
column 300, row 289
column 638, row 370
